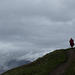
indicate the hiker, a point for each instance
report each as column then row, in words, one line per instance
column 71, row 42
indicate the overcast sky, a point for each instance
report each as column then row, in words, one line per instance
column 31, row 28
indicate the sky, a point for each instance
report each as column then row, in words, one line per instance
column 31, row 28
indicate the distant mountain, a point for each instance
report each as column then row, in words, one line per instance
column 59, row 62
column 12, row 64
column 2, row 69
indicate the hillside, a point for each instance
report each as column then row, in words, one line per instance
column 59, row 62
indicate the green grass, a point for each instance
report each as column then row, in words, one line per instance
column 71, row 68
column 42, row 66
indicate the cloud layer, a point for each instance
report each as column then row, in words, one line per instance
column 31, row 28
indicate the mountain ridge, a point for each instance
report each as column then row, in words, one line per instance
column 49, row 64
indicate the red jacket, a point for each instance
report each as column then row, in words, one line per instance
column 71, row 42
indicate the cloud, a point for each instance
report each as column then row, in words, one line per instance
column 31, row 28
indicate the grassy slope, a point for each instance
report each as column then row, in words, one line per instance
column 42, row 66
column 71, row 69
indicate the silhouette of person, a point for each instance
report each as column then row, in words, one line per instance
column 71, row 42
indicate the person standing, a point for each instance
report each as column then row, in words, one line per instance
column 71, row 42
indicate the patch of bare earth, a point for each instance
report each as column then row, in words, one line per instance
column 61, row 69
